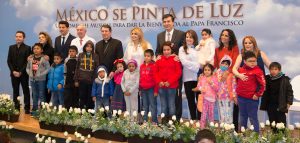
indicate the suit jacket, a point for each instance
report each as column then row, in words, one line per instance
column 177, row 39
column 17, row 58
column 63, row 49
column 107, row 56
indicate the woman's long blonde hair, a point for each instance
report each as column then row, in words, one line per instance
column 140, row 33
column 256, row 50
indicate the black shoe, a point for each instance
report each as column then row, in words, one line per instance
column 27, row 112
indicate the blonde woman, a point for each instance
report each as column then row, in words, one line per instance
column 136, row 47
column 249, row 44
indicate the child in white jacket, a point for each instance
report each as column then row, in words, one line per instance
column 130, row 86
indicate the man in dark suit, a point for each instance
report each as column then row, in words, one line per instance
column 17, row 62
column 170, row 34
column 108, row 49
column 63, row 41
column 176, row 37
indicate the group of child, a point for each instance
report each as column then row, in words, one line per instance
column 84, row 76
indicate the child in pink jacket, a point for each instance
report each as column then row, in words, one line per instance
column 208, row 85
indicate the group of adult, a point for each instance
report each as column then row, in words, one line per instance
column 109, row 49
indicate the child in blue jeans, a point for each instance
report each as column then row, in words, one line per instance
column 250, row 90
column 103, row 88
column 37, row 69
column 56, row 80
column 148, row 88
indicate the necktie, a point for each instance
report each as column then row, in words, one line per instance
column 80, row 42
column 63, row 41
column 169, row 36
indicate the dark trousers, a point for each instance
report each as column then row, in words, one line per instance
column 71, row 97
column 276, row 115
column 48, row 94
column 85, row 98
column 16, row 81
column 190, row 95
column 178, row 100
column 236, row 117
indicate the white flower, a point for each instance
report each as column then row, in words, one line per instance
column 142, row 113
column 280, row 126
column 232, row 126
column 60, row 107
column 235, row 133
column 291, row 127
column 134, row 113
column 37, row 136
column 92, row 111
column 243, row 129
column 53, row 141
column 43, row 106
column 181, row 120
column 119, row 112
column 40, row 139
column 115, row 113
column 222, row 125
column 86, row 141
column 126, row 113
column 273, row 124
column 70, row 110
column 101, row 109
column 211, row 124
column 10, row 127
column 149, row 114
column 187, row 124
column 50, row 104
column 262, row 125
column 227, row 126
column 170, row 122
column 106, row 108
column 83, row 111
column 191, row 122
column 65, row 133
column 173, row 117
column 162, row 115
column 54, row 108
column 297, row 125
column 198, row 125
column 88, row 136
column 216, row 125
column 59, row 112
column 251, row 127
column 69, row 140
column 268, row 123
column 82, row 138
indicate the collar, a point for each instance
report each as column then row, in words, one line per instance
column 106, row 41
column 66, row 36
column 279, row 75
column 171, row 32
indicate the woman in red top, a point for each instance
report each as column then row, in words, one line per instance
column 228, row 46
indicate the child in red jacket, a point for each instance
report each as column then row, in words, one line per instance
column 250, row 90
column 168, row 72
column 148, row 86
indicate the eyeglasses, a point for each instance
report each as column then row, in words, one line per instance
column 251, row 61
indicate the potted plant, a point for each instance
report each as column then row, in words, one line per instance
column 50, row 117
column 147, row 132
column 86, row 121
column 7, row 109
column 109, row 128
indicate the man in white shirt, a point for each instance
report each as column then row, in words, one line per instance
column 82, row 38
